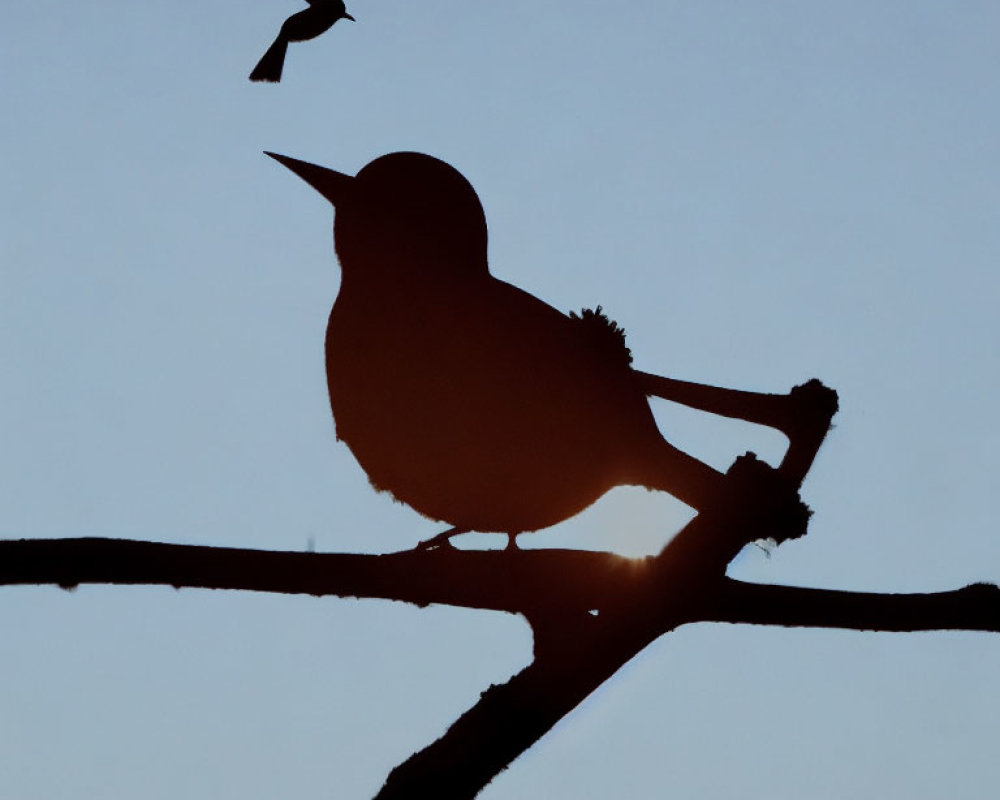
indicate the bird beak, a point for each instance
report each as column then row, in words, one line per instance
column 348, row 16
column 334, row 186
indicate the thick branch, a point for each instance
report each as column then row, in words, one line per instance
column 573, row 656
column 635, row 600
column 555, row 581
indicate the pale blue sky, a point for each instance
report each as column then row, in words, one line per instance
column 802, row 189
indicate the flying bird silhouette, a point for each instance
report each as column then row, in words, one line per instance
column 304, row 25
column 475, row 402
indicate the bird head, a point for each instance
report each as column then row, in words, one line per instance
column 405, row 215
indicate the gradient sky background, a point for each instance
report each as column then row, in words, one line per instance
column 758, row 192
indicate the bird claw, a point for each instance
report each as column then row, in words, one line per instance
column 430, row 545
column 441, row 541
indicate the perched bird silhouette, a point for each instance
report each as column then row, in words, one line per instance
column 304, row 25
column 473, row 401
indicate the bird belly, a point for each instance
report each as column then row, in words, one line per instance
column 479, row 437
column 485, row 472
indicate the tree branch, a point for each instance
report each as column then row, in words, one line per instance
column 528, row 581
column 573, row 656
column 590, row 612
column 972, row 608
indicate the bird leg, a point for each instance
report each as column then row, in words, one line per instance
column 511, row 542
column 442, row 539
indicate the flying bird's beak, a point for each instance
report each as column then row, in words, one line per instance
column 348, row 16
column 334, row 186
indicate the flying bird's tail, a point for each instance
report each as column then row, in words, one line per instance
column 271, row 63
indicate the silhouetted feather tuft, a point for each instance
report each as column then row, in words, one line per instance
column 605, row 335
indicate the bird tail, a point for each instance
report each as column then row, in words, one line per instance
column 271, row 63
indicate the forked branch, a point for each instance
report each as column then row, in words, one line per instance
column 591, row 613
